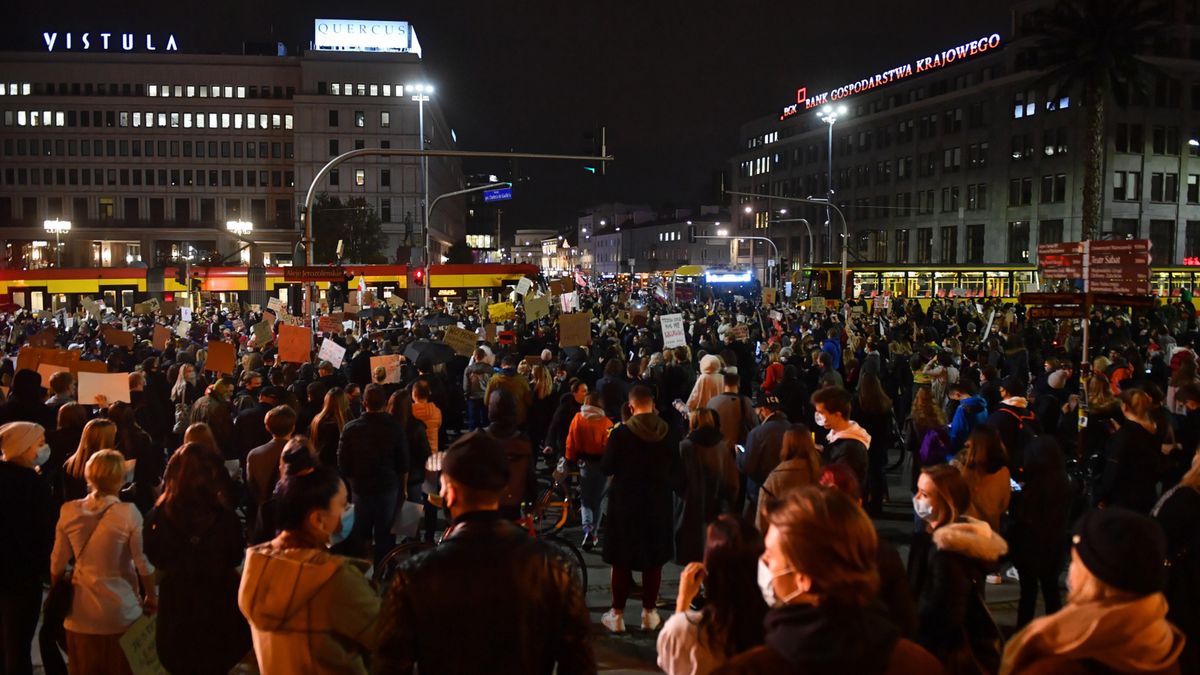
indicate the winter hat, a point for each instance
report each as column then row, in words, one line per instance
column 1057, row 379
column 477, row 461
column 18, row 438
column 1122, row 548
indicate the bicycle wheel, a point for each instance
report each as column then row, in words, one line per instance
column 572, row 558
column 552, row 511
column 396, row 557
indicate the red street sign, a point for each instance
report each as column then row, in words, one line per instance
column 1141, row 274
column 1060, row 260
column 1051, row 298
column 1069, row 312
column 1063, row 248
column 1132, row 300
column 304, row 274
column 1063, row 272
column 1127, row 259
column 1119, row 246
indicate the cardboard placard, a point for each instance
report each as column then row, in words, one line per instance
column 556, row 287
column 161, row 336
column 394, row 301
column 489, row 332
column 523, row 285
column 390, row 363
column 183, row 329
column 169, row 308
column 537, row 307
column 276, row 305
column 185, row 313
column 575, row 330
column 774, row 315
column 501, row 311
column 112, row 386
column 140, row 646
column 48, row 369
column 222, row 357
column 91, row 307
column 639, row 317
column 145, row 308
column 295, row 344
column 116, row 337
column 570, row 302
column 768, row 296
column 460, row 340
column 816, row 304
column 332, row 352
column 90, row 367
column 328, row 324
column 672, row 330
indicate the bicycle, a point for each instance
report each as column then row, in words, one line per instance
column 558, row 501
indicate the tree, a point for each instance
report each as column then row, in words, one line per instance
column 460, row 254
column 355, row 223
column 1100, row 47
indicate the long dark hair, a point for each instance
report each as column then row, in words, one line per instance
column 193, row 488
column 732, row 618
column 871, row 397
column 305, row 486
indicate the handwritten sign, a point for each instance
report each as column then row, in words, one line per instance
column 183, row 329
column 161, row 335
column 140, row 647
column 460, row 340
column 537, row 307
column 524, row 285
column 221, row 357
column 391, row 365
column 575, row 330
column 501, row 311
column 332, row 352
column 117, row 337
column 672, row 330
column 570, row 302
column 294, row 344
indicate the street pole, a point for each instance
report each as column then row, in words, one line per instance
column 332, row 164
column 828, row 215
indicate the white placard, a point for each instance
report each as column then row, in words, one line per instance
column 332, row 352
column 185, row 313
column 276, row 305
column 113, row 386
column 672, row 330
column 183, row 329
column 524, row 285
column 774, row 314
column 570, row 302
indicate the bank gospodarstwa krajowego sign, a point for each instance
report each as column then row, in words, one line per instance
column 922, row 65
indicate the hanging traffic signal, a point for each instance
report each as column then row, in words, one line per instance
column 418, row 276
column 181, row 274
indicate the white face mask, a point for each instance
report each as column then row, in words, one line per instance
column 923, row 509
column 766, row 585
column 819, row 419
column 43, row 454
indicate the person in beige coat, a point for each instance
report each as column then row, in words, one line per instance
column 310, row 611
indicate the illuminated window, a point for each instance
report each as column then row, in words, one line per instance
column 237, row 121
column 228, row 91
column 26, row 89
column 348, row 89
column 287, row 121
column 152, row 90
column 251, row 121
column 137, row 119
column 374, row 90
column 241, row 92
column 360, row 177
column 178, row 90
column 191, row 91
column 387, row 90
column 204, row 91
column 360, row 118
column 175, row 120
column 275, row 121
column 385, row 119
column 187, row 120
column 162, row 119
column 361, row 89
column 60, row 119
column 335, row 88
column 224, row 120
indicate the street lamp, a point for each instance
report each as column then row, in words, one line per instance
column 57, row 228
column 829, row 115
column 420, row 94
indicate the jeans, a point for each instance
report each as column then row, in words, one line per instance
column 20, row 605
column 476, row 414
column 592, row 484
column 374, row 515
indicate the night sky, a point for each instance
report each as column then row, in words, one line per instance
column 671, row 80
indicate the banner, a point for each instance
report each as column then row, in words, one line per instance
column 672, row 330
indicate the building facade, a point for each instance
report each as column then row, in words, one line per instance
column 150, row 155
column 964, row 158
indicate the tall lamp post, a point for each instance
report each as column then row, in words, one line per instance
column 829, row 115
column 57, row 228
column 420, row 94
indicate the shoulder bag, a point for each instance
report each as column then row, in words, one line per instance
column 62, row 592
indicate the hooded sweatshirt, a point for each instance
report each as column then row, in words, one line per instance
column 710, row 383
column 648, row 427
column 310, row 611
column 1125, row 637
column 588, row 434
column 849, row 446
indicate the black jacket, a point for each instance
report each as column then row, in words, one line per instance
column 251, row 429
column 488, row 599
column 560, row 423
column 762, row 449
column 373, row 453
column 27, row 518
column 1131, row 469
column 642, row 456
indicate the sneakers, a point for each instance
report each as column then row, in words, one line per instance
column 1012, row 574
column 590, row 541
column 995, row 579
column 650, row 619
column 614, row 620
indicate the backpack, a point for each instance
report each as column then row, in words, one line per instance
column 477, row 382
column 935, row 447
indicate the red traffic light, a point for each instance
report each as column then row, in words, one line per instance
column 419, row 276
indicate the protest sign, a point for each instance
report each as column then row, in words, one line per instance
column 556, row 287
column 91, row 307
column 536, row 307
column 48, row 369
column 295, row 344
column 816, row 304
column 639, row 317
column 501, row 311
column 394, row 301
column 221, row 357
column 568, row 285
column 140, row 646
column 390, row 363
column 161, row 335
column 328, row 324
column 575, row 330
column 90, row 367
column 774, row 315
column 112, row 386
column 276, row 305
column 768, row 296
column 332, row 352
column 116, row 337
column 461, row 341
column 185, row 313
column 672, row 330
column 183, row 329
column 570, row 302
column 524, row 285
column 489, row 332
column 368, row 299
column 741, row 332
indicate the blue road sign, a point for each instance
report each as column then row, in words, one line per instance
column 497, row 195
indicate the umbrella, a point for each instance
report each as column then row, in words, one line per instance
column 433, row 352
column 439, row 319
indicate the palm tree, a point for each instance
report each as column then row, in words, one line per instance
column 1099, row 46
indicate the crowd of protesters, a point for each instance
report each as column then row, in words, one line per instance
column 245, row 510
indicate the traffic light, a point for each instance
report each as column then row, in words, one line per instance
column 418, row 276
column 596, row 145
column 182, row 273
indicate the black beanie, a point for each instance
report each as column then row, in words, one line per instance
column 1123, row 548
column 477, row 460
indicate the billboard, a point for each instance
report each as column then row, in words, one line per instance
column 354, row 35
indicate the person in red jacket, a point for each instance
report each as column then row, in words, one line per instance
column 585, row 444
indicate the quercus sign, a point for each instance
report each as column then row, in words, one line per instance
column 125, row 42
column 922, row 65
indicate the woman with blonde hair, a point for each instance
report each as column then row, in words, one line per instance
column 326, row 428
column 104, row 537
column 98, row 434
column 984, row 463
column 541, row 386
column 799, row 465
column 201, row 434
column 925, row 416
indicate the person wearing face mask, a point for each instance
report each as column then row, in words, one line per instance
column 489, row 598
column 846, row 441
column 819, row 576
column 763, row 444
column 1115, row 620
column 947, row 563
column 310, row 611
column 27, row 528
